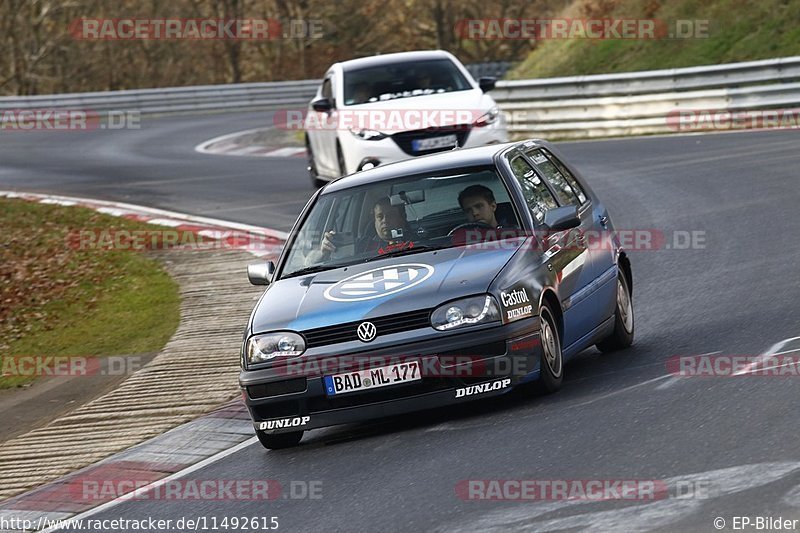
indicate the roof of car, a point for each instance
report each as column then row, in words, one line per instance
column 467, row 157
column 386, row 59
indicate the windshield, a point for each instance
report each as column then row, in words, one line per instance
column 402, row 216
column 402, row 80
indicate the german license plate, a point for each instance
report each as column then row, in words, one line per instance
column 372, row 378
column 432, row 143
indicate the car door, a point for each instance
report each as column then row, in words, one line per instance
column 585, row 309
column 325, row 133
column 564, row 254
column 601, row 247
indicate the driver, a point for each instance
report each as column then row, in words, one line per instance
column 478, row 203
column 361, row 94
column 391, row 229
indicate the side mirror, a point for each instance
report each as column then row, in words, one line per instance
column 260, row 273
column 486, row 83
column 562, row 218
column 322, row 105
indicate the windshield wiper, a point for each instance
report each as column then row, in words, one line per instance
column 311, row 270
column 404, row 251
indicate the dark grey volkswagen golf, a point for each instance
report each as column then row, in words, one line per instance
column 430, row 282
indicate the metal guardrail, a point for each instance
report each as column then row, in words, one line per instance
column 637, row 103
column 569, row 107
column 201, row 98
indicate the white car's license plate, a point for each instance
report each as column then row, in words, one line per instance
column 431, row 143
column 372, row 378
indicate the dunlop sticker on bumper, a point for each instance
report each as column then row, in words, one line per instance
column 483, row 387
column 281, row 423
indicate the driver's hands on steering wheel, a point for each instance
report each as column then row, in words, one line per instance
column 468, row 225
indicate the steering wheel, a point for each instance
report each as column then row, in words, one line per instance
column 470, row 225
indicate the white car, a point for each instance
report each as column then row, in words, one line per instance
column 381, row 109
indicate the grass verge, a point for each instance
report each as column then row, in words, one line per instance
column 57, row 300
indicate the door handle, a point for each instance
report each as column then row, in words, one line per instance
column 604, row 220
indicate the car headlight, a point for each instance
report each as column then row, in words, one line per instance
column 481, row 309
column 488, row 118
column 367, row 135
column 262, row 348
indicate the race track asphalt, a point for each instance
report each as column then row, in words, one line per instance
column 618, row 416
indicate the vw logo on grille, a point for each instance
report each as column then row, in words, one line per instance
column 379, row 282
column 366, row 331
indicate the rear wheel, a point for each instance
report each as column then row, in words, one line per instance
column 551, row 364
column 312, row 167
column 622, row 336
column 279, row 440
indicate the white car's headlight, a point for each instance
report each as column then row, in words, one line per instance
column 367, row 135
column 262, row 348
column 470, row 311
column 487, row 118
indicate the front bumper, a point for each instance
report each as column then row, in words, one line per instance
column 292, row 397
column 358, row 151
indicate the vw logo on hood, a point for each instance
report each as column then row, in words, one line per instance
column 379, row 282
column 366, row 331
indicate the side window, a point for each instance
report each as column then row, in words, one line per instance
column 565, row 185
column 537, row 195
column 327, row 89
column 310, row 235
column 568, row 176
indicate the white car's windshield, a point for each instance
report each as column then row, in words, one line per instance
column 402, row 216
column 402, row 80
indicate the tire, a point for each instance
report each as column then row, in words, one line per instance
column 279, row 440
column 551, row 363
column 312, row 167
column 340, row 159
column 622, row 336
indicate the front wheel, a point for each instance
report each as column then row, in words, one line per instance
column 312, row 167
column 279, row 440
column 551, row 364
column 622, row 336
